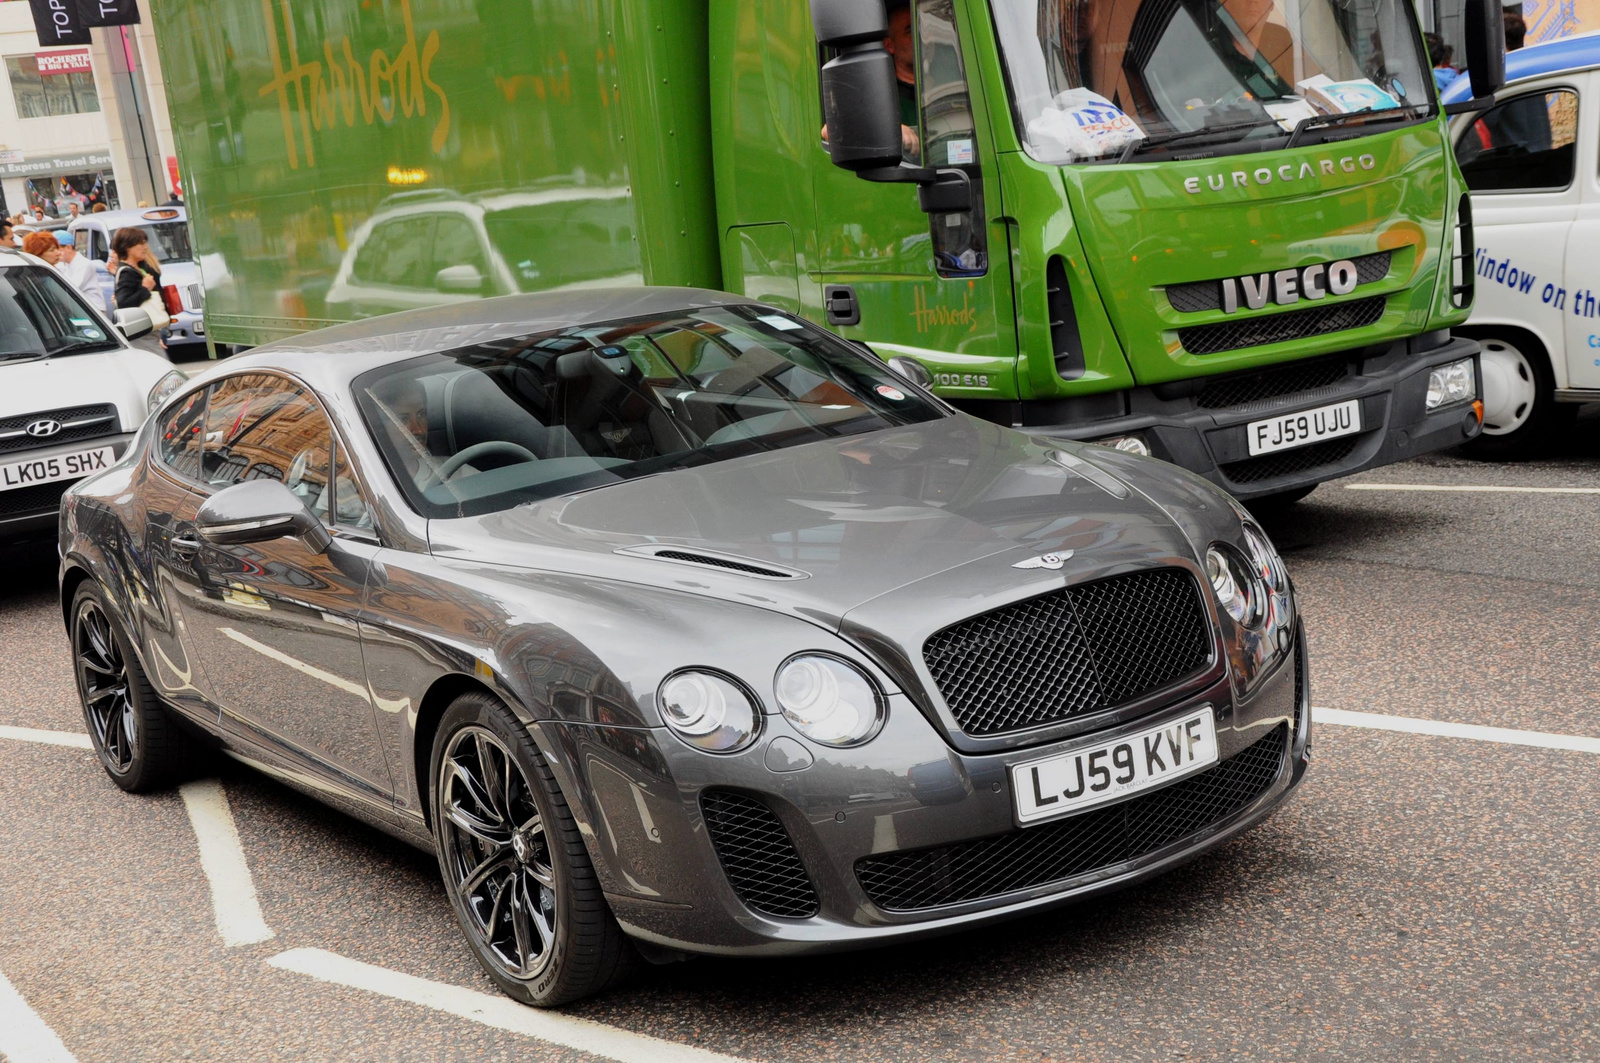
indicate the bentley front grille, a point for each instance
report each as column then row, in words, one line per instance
column 1069, row 848
column 1070, row 652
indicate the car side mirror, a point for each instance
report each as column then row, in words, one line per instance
column 459, row 280
column 860, row 102
column 133, row 322
column 257, row 511
column 1486, row 55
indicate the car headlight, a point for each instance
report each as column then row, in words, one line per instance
column 165, row 388
column 1240, row 594
column 1266, row 560
column 828, row 700
column 1450, row 384
column 708, row 711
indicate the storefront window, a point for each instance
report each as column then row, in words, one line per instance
column 42, row 95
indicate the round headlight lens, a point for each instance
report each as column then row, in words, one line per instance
column 1266, row 559
column 1236, row 591
column 708, row 711
column 828, row 700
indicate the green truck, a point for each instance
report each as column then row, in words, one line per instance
column 1228, row 232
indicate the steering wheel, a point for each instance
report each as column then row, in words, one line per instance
column 450, row 465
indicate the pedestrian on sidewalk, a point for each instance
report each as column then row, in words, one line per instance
column 79, row 271
column 138, row 272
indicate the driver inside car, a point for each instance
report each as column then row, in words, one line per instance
column 407, row 406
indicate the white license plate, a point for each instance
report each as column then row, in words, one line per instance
column 1071, row 782
column 60, row 467
column 1299, row 429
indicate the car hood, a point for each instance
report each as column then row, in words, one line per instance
column 852, row 520
column 122, row 377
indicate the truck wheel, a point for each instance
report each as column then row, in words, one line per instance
column 514, row 865
column 1521, row 417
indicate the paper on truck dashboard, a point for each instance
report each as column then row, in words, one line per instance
column 1080, row 124
column 1342, row 97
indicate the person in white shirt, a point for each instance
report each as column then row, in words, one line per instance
column 79, row 271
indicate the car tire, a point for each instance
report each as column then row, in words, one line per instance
column 139, row 745
column 1521, row 417
column 489, row 787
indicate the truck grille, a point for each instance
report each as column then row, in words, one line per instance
column 1284, row 463
column 1197, row 296
column 1070, row 652
column 78, row 422
column 758, row 856
column 1280, row 328
column 1299, row 378
column 1054, row 852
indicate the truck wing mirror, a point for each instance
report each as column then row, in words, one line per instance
column 860, row 102
column 1486, row 55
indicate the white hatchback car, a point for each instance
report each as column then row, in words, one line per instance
column 72, row 391
column 1533, row 166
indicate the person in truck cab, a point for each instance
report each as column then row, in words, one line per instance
column 900, row 45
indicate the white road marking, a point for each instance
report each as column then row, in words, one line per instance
column 49, row 738
column 1472, row 731
column 1470, row 489
column 233, row 892
column 24, row 1037
column 501, row 1012
column 294, row 662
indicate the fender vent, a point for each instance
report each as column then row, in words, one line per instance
column 728, row 563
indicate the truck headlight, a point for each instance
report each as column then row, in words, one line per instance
column 828, row 700
column 708, row 711
column 1450, row 384
column 164, row 390
column 1134, row 444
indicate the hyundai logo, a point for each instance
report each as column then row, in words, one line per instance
column 43, row 428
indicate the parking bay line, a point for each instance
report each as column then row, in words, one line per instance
column 1472, row 489
column 24, row 1037
column 501, row 1012
column 1443, row 728
column 49, row 738
column 233, row 891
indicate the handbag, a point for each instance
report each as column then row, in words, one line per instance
column 154, row 305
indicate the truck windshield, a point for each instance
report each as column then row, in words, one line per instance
column 170, row 241
column 40, row 317
column 1097, row 79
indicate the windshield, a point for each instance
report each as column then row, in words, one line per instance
column 1093, row 79
column 40, row 316
column 169, row 241
column 495, row 425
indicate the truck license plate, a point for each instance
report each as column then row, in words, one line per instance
column 1094, row 775
column 60, row 467
column 1299, row 429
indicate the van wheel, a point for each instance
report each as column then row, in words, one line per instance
column 1521, row 417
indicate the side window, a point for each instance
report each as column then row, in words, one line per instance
column 180, row 435
column 99, row 249
column 407, row 252
column 370, row 257
column 1524, row 145
column 949, row 138
column 262, row 426
column 455, row 243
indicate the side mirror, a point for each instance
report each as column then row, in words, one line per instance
column 133, row 322
column 258, row 511
column 860, row 102
column 459, row 280
column 1486, row 54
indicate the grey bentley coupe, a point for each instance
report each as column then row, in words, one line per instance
column 675, row 624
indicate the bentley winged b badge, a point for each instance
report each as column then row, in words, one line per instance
column 1050, row 561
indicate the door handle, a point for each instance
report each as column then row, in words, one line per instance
column 185, row 545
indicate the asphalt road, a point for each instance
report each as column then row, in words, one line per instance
column 1424, row 897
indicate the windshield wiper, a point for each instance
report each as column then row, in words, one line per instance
column 22, row 356
column 80, row 345
column 1371, row 114
column 1137, row 146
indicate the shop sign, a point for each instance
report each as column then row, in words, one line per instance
column 73, row 62
column 37, row 165
column 58, row 22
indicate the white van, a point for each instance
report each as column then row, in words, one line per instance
column 1533, row 166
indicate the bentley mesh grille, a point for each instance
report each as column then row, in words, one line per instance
column 1196, row 296
column 1065, row 849
column 104, row 418
column 1299, row 378
column 758, row 856
column 1070, row 652
column 1283, row 463
column 1279, row 328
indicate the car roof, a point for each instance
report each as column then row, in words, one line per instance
column 117, row 219
column 1536, row 60
column 331, row 357
column 16, row 256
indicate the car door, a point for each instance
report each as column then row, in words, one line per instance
column 1582, row 368
column 1519, row 159
column 275, row 625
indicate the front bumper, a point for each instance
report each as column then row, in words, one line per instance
column 1185, row 425
column 32, row 512
column 906, row 790
column 188, row 327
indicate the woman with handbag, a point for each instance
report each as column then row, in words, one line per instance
column 138, row 276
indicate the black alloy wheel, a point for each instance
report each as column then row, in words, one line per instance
column 514, row 863
column 138, row 744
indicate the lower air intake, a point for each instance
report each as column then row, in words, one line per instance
column 758, row 856
column 1280, row 328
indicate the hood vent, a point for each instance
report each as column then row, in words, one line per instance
column 705, row 559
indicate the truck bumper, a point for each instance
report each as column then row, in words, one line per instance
column 1201, row 423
